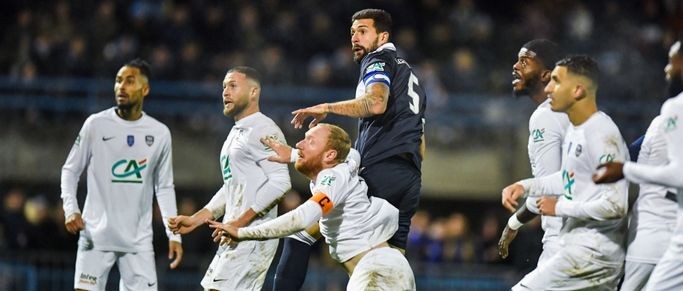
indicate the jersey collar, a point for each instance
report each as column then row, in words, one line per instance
column 387, row 46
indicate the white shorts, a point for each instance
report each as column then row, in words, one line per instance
column 668, row 274
column 138, row 270
column 572, row 268
column 240, row 267
column 382, row 269
column 636, row 275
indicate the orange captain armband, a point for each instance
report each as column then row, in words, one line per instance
column 324, row 202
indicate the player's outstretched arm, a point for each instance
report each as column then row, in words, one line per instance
column 373, row 102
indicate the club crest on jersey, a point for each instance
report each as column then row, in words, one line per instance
column 128, row 171
column 670, row 123
column 376, row 67
column 271, row 137
column 606, row 158
column 578, row 151
column 130, row 140
column 149, row 140
column 327, row 181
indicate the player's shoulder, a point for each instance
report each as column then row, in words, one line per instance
column 673, row 106
column 379, row 60
column 545, row 117
column 155, row 123
column 264, row 124
column 333, row 176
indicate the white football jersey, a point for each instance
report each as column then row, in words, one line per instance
column 546, row 133
column 127, row 162
column 668, row 175
column 249, row 179
column 355, row 223
column 594, row 215
column 654, row 213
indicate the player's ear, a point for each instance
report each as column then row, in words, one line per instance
column 384, row 37
column 330, row 155
column 545, row 76
column 145, row 89
column 579, row 92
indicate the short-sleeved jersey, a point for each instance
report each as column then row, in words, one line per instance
column 655, row 210
column 241, row 160
column 356, row 222
column 546, row 134
column 128, row 161
column 399, row 130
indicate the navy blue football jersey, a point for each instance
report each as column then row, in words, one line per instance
column 398, row 131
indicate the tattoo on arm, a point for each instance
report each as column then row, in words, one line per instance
column 366, row 106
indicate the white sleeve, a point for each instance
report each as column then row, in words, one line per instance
column 668, row 175
column 163, row 186
column 610, row 205
column 277, row 175
column 547, row 185
column 277, row 184
column 73, row 167
column 217, row 203
column 298, row 219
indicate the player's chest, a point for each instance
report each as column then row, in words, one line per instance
column 575, row 154
column 236, row 146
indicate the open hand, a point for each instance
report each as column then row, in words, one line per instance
column 318, row 112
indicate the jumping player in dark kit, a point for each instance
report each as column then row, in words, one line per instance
column 390, row 105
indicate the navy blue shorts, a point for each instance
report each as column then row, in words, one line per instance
column 398, row 181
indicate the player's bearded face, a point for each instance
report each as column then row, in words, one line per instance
column 129, row 88
column 311, row 151
column 526, row 76
column 235, row 94
column 360, row 51
column 309, row 164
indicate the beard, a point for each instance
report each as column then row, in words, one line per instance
column 674, row 86
column 366, row 51
column 310, row 167
column 530, row 85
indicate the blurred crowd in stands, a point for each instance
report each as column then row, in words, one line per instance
column 457, row 46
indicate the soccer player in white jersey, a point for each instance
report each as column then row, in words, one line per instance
column 355, row 226
column 252, row 187
column 531, row 72
column 659, row 174
column 592, row 236
column 128, row 156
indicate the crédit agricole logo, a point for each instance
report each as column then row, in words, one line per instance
column 128, row 171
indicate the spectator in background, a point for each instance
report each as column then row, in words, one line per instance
column 15, row 226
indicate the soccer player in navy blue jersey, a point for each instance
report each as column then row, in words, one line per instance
column 390, row 105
